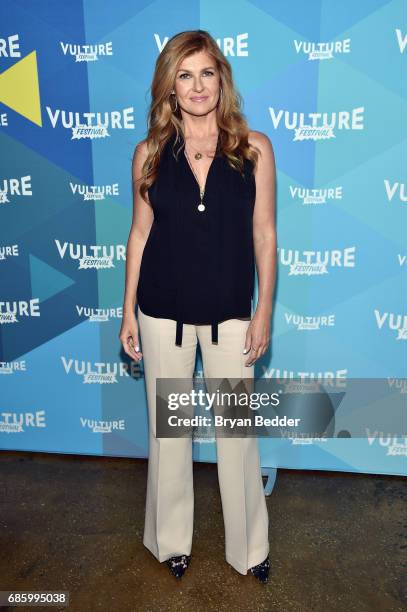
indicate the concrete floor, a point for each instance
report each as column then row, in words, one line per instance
column 338, row 541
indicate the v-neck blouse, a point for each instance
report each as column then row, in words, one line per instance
column 198, row 266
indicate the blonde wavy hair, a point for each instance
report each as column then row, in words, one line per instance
column 163, row 122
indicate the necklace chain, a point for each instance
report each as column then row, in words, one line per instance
column 201, row 191
column 199, row 156
column 198, row 151
column 201, row 206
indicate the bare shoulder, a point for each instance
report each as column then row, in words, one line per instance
column 260, row 141
column 139, row 157
column 266, row 160
column 141, row 150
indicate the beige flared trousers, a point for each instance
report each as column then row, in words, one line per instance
column 168, row 527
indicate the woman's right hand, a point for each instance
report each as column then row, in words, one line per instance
column 129, row 337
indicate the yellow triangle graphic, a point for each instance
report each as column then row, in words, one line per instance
column 19, row 89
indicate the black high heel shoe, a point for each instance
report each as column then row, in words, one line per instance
column 178, row 564
column 261, row 571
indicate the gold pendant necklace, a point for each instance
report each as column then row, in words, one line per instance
column 198, row 155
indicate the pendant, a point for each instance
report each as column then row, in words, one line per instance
column 198, row 156
column 201, row 207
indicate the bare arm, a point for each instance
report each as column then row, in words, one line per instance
column 264, row 230
column 265, row 244
column 143, row 217
column 140, row 228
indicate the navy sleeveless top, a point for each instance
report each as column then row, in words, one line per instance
column 198, row 267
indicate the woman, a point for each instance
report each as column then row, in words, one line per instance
column 204, row 189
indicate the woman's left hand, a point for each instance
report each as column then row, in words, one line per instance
column 257, row 336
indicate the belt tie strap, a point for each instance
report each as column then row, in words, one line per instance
column 178, row 335
column 214, row 331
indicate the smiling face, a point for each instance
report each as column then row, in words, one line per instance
column 197, row 84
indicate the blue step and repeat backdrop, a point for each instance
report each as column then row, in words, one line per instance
column 326, row 81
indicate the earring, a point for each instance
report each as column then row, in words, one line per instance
column 176, row 102
column 220, row 94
